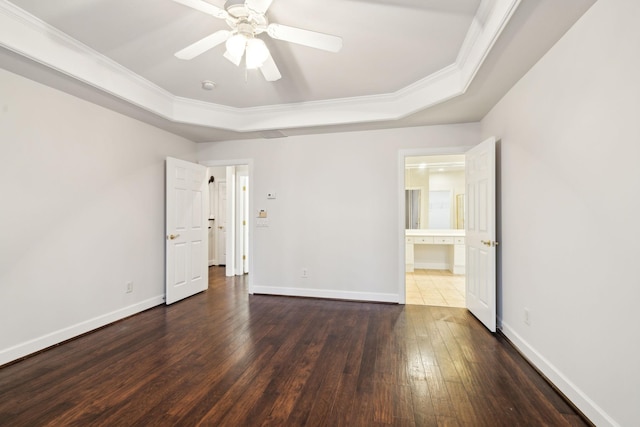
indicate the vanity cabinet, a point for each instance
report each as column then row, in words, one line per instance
column 451, row 241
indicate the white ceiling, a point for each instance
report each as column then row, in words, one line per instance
column 403, row 62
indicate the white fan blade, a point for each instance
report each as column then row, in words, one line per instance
column 203, row 45
column 205, row 7
column 260, row 6
column 233, row 59
column 270, row 70
column 305, row 37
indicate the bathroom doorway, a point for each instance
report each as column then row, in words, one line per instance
column 434, row 187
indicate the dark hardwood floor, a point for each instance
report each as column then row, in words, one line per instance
column 224, row 358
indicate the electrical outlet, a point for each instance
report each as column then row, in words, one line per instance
column 129, row 287
column 527, row 316
column 305, row 273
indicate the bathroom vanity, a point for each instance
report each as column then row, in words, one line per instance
column 435, row 249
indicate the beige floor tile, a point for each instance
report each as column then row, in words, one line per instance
column 435, row 287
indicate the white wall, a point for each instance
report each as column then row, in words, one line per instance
column 336, row 212
column 82, row 213
column 570, row 144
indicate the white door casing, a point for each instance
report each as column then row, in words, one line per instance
column 187, row 203
column 480, row 230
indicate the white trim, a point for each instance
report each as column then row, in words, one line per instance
column 32, row 346
column 325, row 293
column 28, row 36
column 479, row 40
column 588, row 407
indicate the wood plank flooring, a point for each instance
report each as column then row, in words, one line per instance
column 224, row 358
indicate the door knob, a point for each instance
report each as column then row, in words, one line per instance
column 173, row 236
column 489, row 243
column 220, row 227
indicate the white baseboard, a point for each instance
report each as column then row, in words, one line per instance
column 323, row 293
column 24, row 349
column 588, row 407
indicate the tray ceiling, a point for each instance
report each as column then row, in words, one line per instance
column 399, row 60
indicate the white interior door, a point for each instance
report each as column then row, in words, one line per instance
column 480, row 227
column 245, row 224
column 230, row 223
column 187, row 202
column 241, row 223
column 221, row 223
column 211, row 222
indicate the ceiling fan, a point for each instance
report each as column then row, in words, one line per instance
column 247, row 19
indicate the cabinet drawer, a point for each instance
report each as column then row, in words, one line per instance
column 443, row 240
column 459, row 240
column 423, row 240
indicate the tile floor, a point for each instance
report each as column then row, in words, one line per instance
column 435, row 287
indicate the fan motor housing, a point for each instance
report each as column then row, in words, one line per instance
column 236, row 8
column 240, row 14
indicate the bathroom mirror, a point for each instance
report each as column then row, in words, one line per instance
column 412, row 209
column 434, row 192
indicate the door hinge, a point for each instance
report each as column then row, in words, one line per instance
column 244, row 257
column 244, row 222
column 244, row 188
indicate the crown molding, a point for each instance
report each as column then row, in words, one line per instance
column 26, row 35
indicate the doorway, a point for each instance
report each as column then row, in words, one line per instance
column 229, row 230
column 434, row 187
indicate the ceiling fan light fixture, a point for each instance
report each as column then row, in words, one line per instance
column 236, row 45
column 257, row 53
column 247, row 19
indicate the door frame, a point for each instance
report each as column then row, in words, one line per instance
column 402, row 154
column 250, row 219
